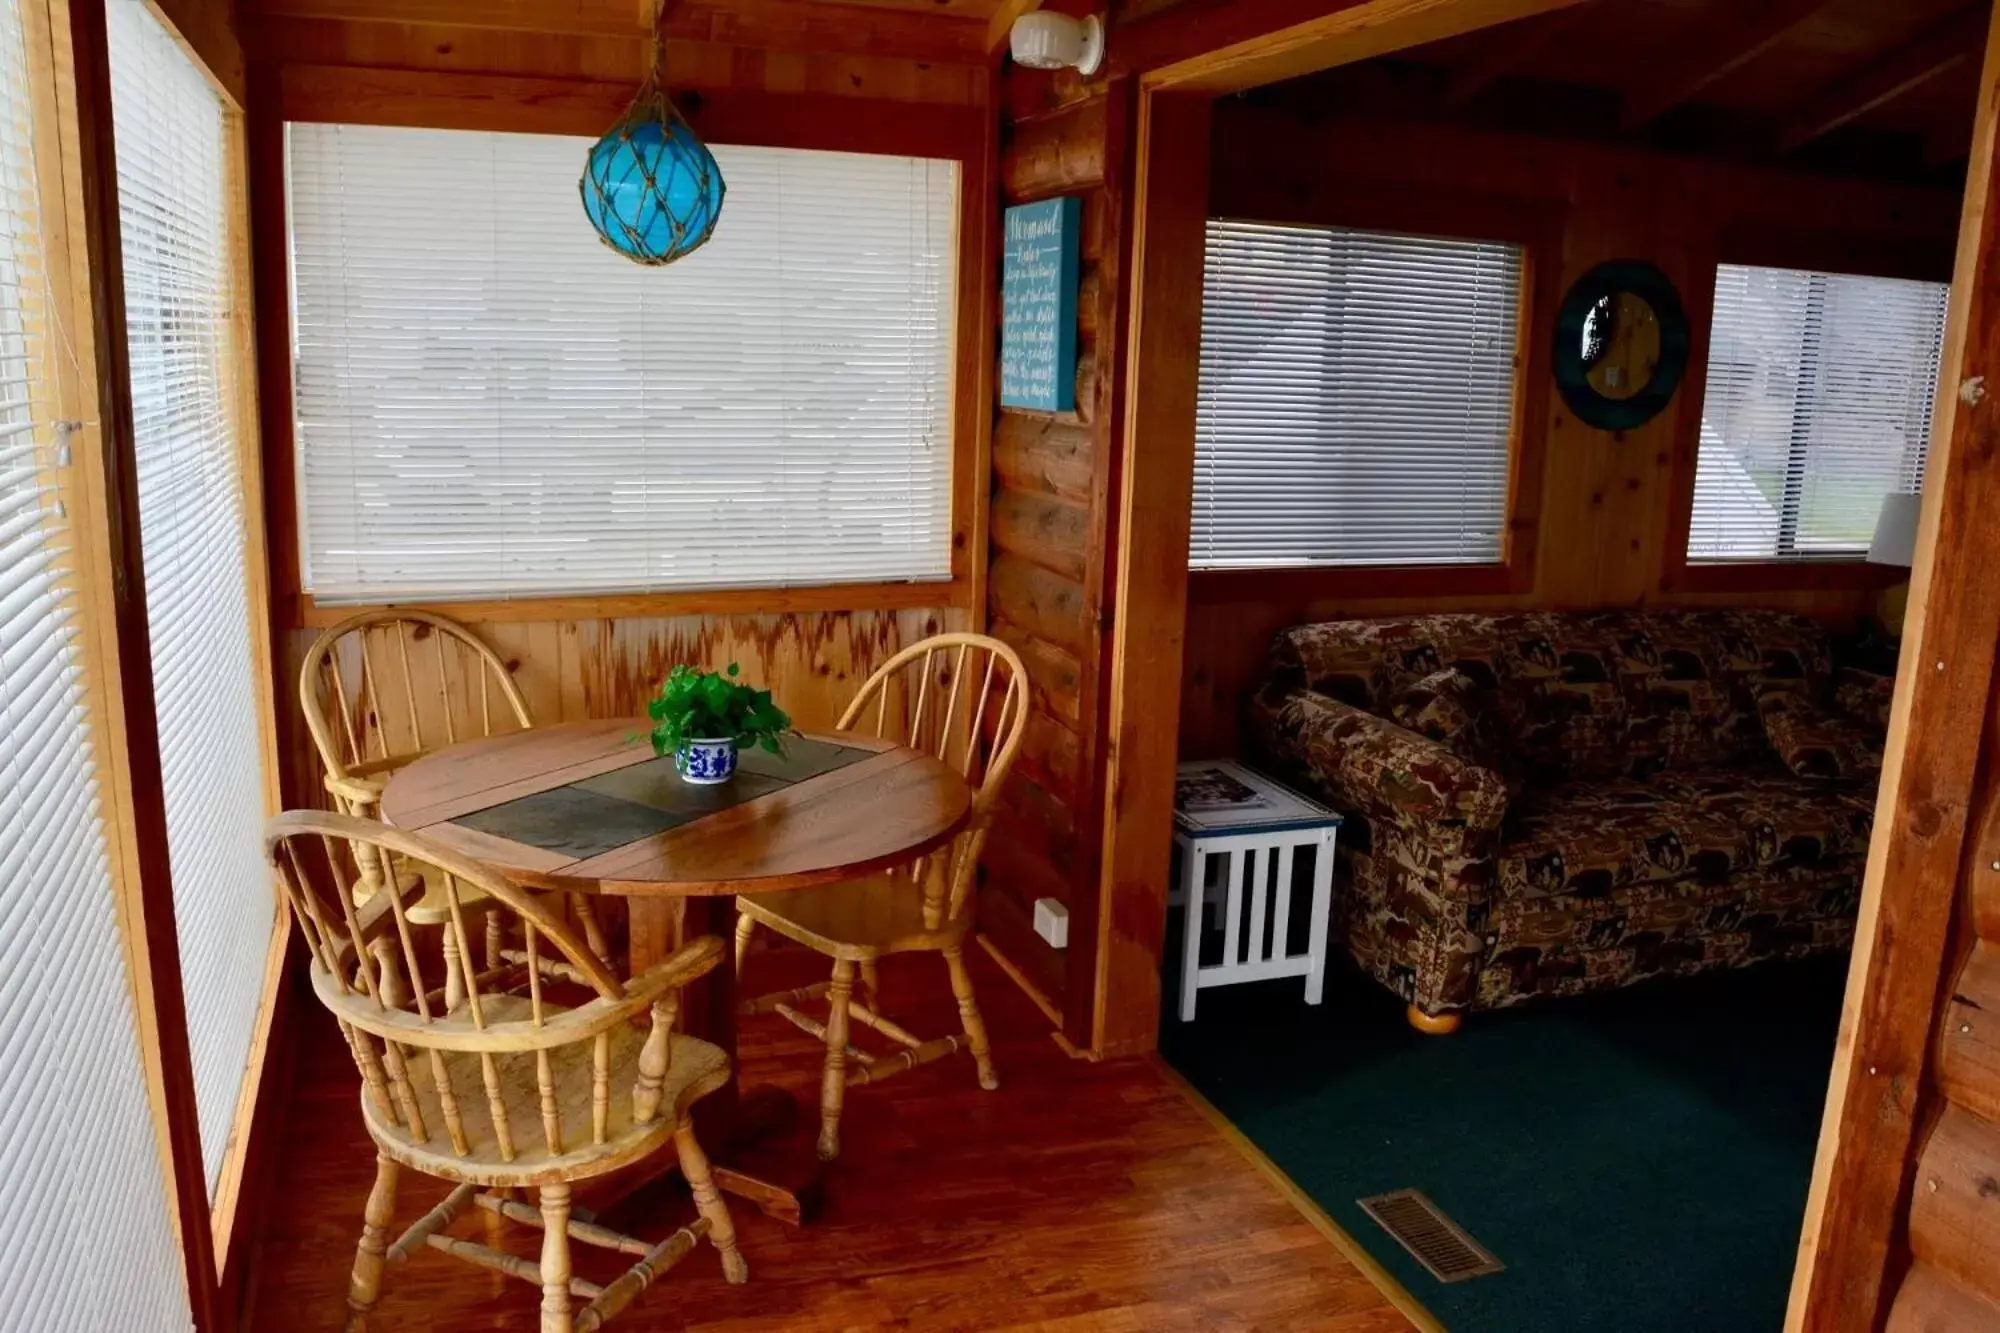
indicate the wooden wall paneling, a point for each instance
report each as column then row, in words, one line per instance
column 1870, row 1134
column 1955, row 1208
column 116, row 608
column 536, row 105
column 1044, row 589
column 1927, row 1303
column 586, row 57
column 779, row 25
column 1968, row 1070
column 1101, row 306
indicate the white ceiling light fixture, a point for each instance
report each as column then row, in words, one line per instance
column 1046, row 40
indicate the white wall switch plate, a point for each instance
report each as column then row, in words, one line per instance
column 1052, row 922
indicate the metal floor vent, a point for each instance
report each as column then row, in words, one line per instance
column 1437, row 1242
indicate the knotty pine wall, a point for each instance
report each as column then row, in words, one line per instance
column 1603, row 518
column 573, row 669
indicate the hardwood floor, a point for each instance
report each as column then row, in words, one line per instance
column 1079, row 1196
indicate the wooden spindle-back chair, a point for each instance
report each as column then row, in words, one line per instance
column 964, row 699
column 537, row 1074
column 382, row 689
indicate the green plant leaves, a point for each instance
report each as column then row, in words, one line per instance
column 710, row 705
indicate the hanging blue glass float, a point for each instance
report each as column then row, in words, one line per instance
column 650, row 187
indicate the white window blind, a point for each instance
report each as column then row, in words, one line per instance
column 491, row 403
column 86, row 1241
column 173, row 212
column 1818, row 404
column 1356, row 397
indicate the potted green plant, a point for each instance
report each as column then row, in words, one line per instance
column 702, row 718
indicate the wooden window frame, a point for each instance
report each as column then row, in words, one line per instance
column 77, row 154
column 433, row 100
column 1536, row 226
column 1819, row 250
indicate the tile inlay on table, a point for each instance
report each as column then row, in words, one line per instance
column 647, row 798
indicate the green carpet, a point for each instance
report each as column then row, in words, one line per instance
column 1638, row 1159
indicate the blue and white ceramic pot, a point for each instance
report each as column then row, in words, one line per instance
column 706, row 762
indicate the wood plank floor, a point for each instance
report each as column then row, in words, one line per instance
column 1079, row 1196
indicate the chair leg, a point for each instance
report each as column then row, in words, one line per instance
column 969, row 1019
column 871, row 986
column 745, row 928
column 556, row 1270
column 708, row 1199
column 454, row 970
column 365, row 1284
column 833, row 1080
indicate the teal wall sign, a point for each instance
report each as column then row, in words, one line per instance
column 1038, row 266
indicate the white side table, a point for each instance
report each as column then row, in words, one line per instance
column 1224, row 809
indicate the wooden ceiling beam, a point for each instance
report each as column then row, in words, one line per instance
column 1886, row 78
column 778, row 25
column 1225, row 46
column 1717, row 50
column 1507, row 51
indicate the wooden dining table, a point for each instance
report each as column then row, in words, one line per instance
column 586, row 807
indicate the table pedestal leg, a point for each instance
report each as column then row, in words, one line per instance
column 753, row 1139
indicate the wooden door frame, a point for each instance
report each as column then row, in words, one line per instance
column 1861, row 1181
column 1175, row 66
column 1923, row 845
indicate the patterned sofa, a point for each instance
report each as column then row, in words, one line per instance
column 1542, row 803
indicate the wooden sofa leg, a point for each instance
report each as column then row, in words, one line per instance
column 1433, row 1025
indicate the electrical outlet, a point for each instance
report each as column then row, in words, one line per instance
column 1052, row 922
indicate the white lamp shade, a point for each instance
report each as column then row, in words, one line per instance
column 1896, row 531
column 1044, row 39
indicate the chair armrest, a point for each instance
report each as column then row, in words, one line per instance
column 692, row 961
column 365, row 793
column 1371, row 766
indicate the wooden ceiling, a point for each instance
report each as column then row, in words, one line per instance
column 1880, row 87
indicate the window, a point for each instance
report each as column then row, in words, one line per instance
column 490, row 403
column 1818, row 404
column 1356, row 398
column 174, row 202
column 86, row 1240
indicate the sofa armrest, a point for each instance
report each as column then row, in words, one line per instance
column 1421, row 846
column 1371, row 766
column 1864, row 697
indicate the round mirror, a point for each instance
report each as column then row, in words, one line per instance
column 1621, row 344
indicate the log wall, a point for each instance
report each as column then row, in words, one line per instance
column 1052, row 488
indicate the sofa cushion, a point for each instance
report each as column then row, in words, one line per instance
column 1594, row 839
column 1816, row 742
column 1456, row 711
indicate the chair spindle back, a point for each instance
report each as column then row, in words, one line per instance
column 553, row 1004
column 962, row 698
column 383, row 688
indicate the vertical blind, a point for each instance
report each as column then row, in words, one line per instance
column 491, row 403
column 173, row 213
column 1356, row 397
column 1818, row 404
column 85, row 1238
